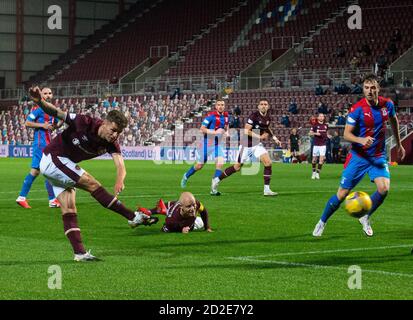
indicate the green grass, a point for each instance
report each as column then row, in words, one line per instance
column 262, row 248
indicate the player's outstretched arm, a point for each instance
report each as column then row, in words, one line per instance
column 36, row 95
column 394, row 122
column 120, row 172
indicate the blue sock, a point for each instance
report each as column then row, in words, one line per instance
column 377, row 199
column 27, row 184
column 190, row 172
column 217, row 173
column 332, row 205
column 49, row 189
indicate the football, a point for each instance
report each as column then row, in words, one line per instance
column 358, row 204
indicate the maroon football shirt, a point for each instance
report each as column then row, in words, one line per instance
column 80, row 140
column 258, row 122
column 175, row 222
column 320, row 128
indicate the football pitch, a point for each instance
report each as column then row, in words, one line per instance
column 262, row 248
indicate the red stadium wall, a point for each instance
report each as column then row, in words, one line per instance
column 408, row 146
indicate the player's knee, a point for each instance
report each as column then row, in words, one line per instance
column 342, row 194
column 198, row 166
column 237, row 166
column 34, row 172
column 383, row 190
column 88, row 183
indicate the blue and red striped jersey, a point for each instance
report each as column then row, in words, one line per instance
column 370, row 121
column 215, row 120
column 42, row 137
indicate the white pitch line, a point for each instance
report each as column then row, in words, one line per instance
column 326, row 251
column 317, row 266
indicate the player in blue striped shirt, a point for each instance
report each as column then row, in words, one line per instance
column 213, row 127
column 365, row 129
column 42, row 124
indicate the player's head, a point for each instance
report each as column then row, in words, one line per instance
column 47, row 94
column 294, row 131
column 113, row 126
column 220, row 105
column 371, row 88
column 263, row 106
column 321, row 117
column 188, row 204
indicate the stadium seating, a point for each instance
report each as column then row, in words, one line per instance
column 170, row 24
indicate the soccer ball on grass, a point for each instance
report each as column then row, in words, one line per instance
column 358, row 204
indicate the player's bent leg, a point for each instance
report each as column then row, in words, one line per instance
column 377, row 198
column 109, row 201
column 198, row 166
column 332, row 206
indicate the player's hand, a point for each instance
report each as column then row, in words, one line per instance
column 401, row 152
column 35, row 94
column 219, row 131
column 186, row 229
column 119, row 186
column 209, row 230
column 277, row 142
column 48, row 126
column 366, row 142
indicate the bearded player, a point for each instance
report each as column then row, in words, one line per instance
column 365, row 129
column 43, row 125
column 256, row 129
column 320, row 133
column 84, row 138
column 214, row 128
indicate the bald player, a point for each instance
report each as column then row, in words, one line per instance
column 186, row 214
column 43, row 125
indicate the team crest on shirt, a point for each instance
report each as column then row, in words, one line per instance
column 384, row 112
column 76, row 141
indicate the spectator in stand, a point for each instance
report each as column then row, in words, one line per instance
column 392, row 47
column 397, row 36
column 285, row 120
column 319, row 91
column 340, row 52
column 342, row 88
column 322, row 108
column 293, row 107
column 365, row 50
column 356, row 89
column 407, row 83
column 341, row 120
column 355, row 62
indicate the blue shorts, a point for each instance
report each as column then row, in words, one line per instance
column 205, row 151
column 37, row 156
column 356, row 167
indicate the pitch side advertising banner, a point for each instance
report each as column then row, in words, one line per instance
column 159, row 153
column 20, row 151
column 136, row 153
column 4, row 151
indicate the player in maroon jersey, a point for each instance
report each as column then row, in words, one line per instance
column 256, row 129
column 84, row 138
column 320, row 133
column 186, row 214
